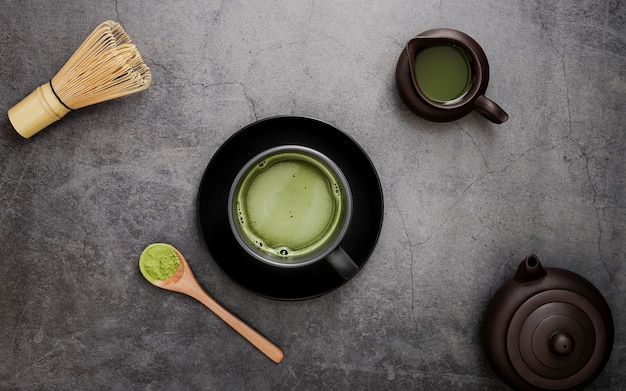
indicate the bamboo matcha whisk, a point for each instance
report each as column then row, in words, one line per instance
column 106, row 66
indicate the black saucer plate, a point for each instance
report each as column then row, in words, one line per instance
column 288, row 283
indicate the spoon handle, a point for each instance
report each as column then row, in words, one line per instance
column 268, row 348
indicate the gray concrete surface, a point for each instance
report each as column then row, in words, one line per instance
column 465, row 201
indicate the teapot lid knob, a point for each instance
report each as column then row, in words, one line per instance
column 562, row 343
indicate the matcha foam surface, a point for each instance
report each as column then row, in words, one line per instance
column 289, row 204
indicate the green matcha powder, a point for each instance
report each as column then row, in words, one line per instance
column 158, row 262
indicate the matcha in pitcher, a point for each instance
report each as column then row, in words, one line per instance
column 444, row 73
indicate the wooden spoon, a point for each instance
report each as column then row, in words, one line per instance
column 184, row 281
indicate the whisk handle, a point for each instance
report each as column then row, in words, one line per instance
column 38, row 110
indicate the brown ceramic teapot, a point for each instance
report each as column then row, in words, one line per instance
column 547, row 329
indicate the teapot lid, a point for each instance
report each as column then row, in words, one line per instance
column 548, row 329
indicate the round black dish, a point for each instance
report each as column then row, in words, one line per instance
column 288, row 283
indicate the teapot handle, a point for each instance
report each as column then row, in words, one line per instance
column 490, row 110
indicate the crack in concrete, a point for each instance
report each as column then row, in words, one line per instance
column 411, row 265
column 448, row 213
column 491, row 173
column 477, row 147
column 18, row 183
column 313, row 6
column 440, row 9
column 597, row 209
column 117, row 11
column 567, row 101
column 205, row 86
column 17, row 327
column 487, row 173
column 412, row 255
column 546, row 28
column 605, row 24
column 594, row 190
column 410, row 246
column 276, row 47
column 250, row 101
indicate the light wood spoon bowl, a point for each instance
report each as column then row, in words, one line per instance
column 183, row 281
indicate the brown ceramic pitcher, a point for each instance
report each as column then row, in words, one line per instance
column 474, row 99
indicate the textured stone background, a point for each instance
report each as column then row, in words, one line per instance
column 465, row 201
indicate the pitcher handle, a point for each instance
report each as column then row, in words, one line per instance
column 490, row 110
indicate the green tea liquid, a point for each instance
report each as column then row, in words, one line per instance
column 289, row 205
column 443, row 73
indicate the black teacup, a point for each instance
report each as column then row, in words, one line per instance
column 290, row 206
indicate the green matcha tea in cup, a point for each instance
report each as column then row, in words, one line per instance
column 290, row 206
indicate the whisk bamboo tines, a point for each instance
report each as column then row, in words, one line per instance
column 105, row 66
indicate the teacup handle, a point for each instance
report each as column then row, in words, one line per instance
column 342, row 263
column 490, row 110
